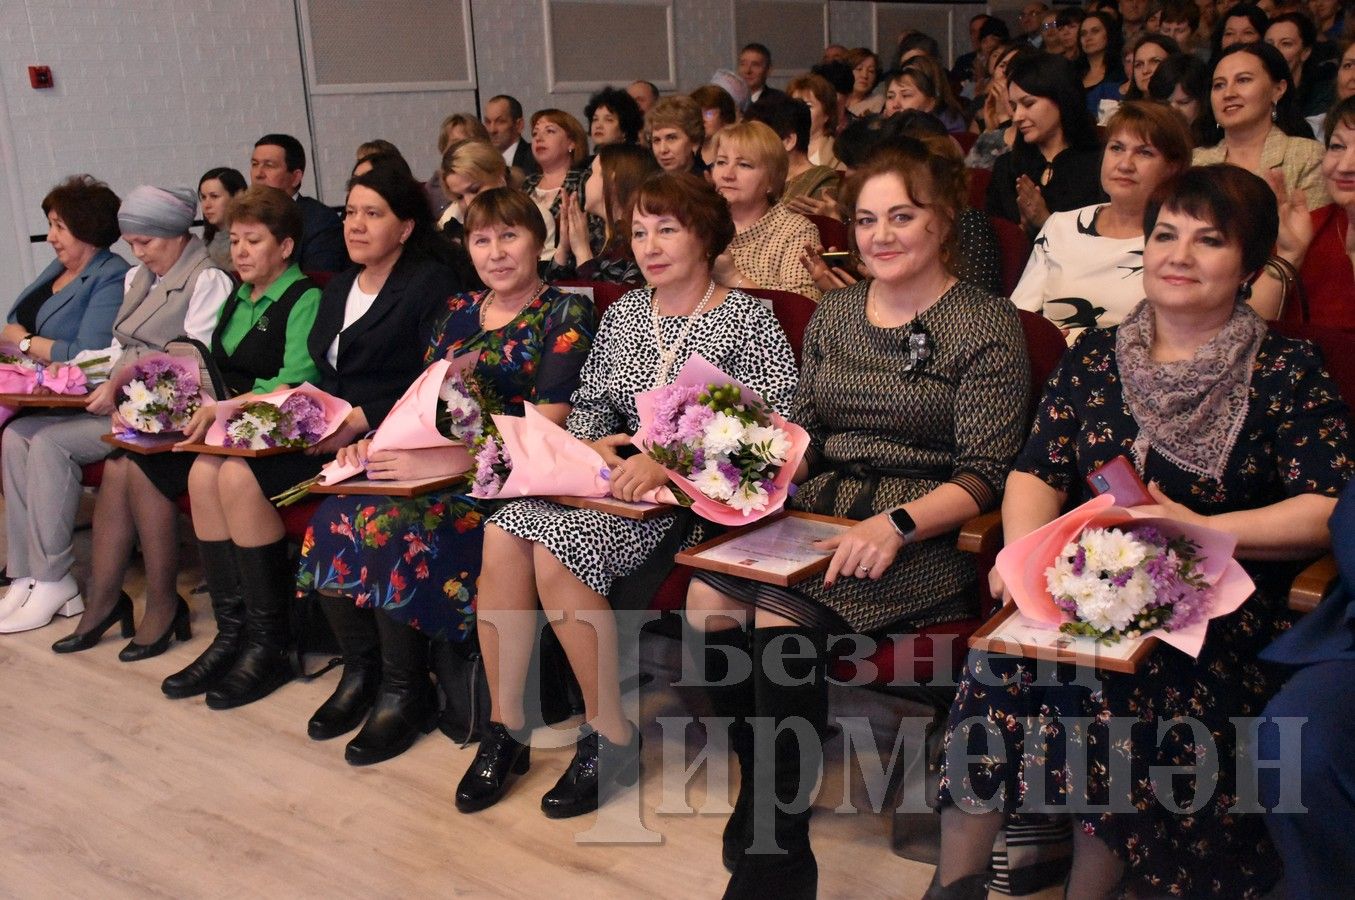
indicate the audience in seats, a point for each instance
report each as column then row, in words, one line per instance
column 997, row 133
column 645, row 95
column 750, row 172
column 613, row 117
column 815, row 92
column 1230, row 426
column 1102, row 48
column 279, row 161
column 676, row 131
column 574, row 562
column 559, row 145
column 174, row 291
column 70, row 307
column 1054, row 163
column 863, row 100
column 717, row 112
column 455, row 128
column 617, row 171
column 135, row 505
column 923, row 85
column 396, row 574
column 952, row 360
column 1086, row 266
column 754, row 66
column 469, row 167
column 504, row 122
column 1182, row 82
column 367, row 344
column 810, row 190
column 216, row 187
column 1313, row 77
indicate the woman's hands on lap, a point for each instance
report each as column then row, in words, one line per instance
column 406, row 465
column 197, row 426
column 354, row 424
column 101, row 400
column 865, row 550
column 631, row 478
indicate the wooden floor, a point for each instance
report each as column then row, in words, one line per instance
column 108, row 789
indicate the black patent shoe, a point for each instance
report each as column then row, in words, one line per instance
column 397, row 719
column 258, row 672
column 599, row 767
column 350, row 703
column 180, row 627
column 121, row 612
column 500, row 755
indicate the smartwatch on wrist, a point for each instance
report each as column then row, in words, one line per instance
column 25, row 343
column 903, row 524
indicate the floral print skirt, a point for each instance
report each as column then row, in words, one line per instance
column 416, row 559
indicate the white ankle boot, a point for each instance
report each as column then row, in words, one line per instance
column 44, row 599
column 14, row 597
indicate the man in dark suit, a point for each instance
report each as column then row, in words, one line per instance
column 503, row 121
column 755, row 64
column 279, row 161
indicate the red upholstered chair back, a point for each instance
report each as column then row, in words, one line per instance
column 978, row 187
column 965, row 139
column 793, row 311
column 832, row 232
column 1013, row 251
column 320, row 278
column 605, row 293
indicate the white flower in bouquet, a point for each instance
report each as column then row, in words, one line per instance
column 749, row 498
column 1111, row 550
column 768, row 443
column 723, row 435
column 713, row 483
column 138, row 395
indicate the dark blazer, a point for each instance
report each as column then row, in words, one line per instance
column 80, row 315
column 322, row 248
column 523, row 159
column 381, row 353
column 769, row 93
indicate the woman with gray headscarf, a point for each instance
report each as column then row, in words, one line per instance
column 176, row 290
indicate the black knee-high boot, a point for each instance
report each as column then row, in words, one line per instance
column 406, row 704
column 717, row 654
column 268, row 582
column 222, row 572
column 355, row 630
column 791, row 685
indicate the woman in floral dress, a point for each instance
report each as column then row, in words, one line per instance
column 396, row 573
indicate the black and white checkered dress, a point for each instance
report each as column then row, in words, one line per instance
column 740, row 336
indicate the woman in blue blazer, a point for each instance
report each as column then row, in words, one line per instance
column 71, row 305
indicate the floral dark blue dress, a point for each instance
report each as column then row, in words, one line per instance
column 1294, row 440
column 418, row 559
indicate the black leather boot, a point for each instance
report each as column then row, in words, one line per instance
column 714, row 650
column 599, row 768
column 406, row 704
column 355, row 630
column 500, row 754
column 222, row 572
column 795, row 687
column 968, row 887
column 268, row 583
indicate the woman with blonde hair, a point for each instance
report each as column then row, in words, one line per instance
column 559, row 146
column 469, row 167
column 750, row 173
column 816, row 93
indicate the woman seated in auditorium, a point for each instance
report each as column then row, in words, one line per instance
column 1086, row 268
column 1345, row 84
column 216, row 187
column 174, row 291
column 613, row 118
column 863, row 101
column 455, row 128
column 367, row 343
column 1252, row 442
column 1055, row 163
column 1182, row 82
column 616, row 174
column 1241, row 23
column 951, row 358
column 925, row 86
column 1148, row 51
column 1314, row 78
column 1102, row 45
column 71, row 305
column 998, row 133
column 396, row 574
column 568, row 560
column 135, row 505
column 810, row 190
column 816, row 93
column 559, row 146
column 676, row 132
column 717, row 112
column 1252, row 101
column 469, row 167
column 749, row 172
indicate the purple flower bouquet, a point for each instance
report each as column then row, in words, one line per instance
column 158, row 394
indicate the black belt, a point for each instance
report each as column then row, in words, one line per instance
column 863, row 507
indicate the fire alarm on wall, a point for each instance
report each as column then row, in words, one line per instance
column 40, row 76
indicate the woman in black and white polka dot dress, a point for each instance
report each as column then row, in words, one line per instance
column 571, row 558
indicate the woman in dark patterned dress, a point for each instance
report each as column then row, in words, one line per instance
column 394, row 572
column 951, row 361
column 570, row 558
column 1232, row 427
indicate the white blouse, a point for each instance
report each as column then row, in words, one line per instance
column 354, row 308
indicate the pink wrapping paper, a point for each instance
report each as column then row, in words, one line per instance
column 336, row 410
column 412, row 422
column 1022, row 565
column 17, row 379
column 699, row 372
column 547, row 460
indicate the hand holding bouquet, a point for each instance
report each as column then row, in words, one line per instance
column 299, row 421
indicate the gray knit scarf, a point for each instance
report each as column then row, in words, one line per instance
column 1189, row 411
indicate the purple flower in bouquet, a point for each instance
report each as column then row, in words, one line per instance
column 303, row 419
column 670, row 403
column 160, row 395
column 298, row 421
column 492, row 467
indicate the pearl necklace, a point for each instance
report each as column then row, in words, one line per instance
column 668, row 354
column 493, row 295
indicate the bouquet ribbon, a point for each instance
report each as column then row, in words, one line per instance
column 19, row 379
column 1023, row 562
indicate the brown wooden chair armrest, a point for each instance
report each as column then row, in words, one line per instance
column 982, row 534
column 1312, row 584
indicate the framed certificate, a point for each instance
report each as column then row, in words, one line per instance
column 776, row 551
column 214, row 450
column 1011, row 633
column 391, row 488
column 45, row 401
column 144, row 444
column 623, row 508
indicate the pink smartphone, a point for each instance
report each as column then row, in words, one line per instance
column 1119, row 479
